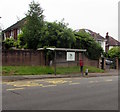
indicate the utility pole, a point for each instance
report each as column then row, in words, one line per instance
column 0, row 33
column 0, row 26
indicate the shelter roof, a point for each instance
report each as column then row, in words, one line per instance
column 67, row 49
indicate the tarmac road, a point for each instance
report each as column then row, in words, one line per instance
column 94, row 93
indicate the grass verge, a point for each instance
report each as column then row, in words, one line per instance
column 41, row 70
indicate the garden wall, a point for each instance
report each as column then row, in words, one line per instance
column 37, row 58
column 61, row 60
column 23, row 57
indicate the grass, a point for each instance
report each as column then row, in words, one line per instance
column 76, row 69
column 41, row 70
column 26, row 70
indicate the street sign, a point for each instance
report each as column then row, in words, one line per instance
column 70, row 56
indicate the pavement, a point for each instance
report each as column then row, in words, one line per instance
column 109, row 72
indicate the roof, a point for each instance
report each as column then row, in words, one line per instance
column 64, row 49
column 18, row 24
column 113, row 42
column 95, row 35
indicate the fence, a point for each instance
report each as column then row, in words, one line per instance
column 39, row 58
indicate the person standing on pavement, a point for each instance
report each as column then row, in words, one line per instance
column 81, row 67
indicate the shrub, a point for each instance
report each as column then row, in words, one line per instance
column 114, row 52
column 9, row 42
column 20, row 43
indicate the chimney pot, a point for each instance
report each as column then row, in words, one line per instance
column 107, row 34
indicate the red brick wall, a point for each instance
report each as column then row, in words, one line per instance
column 89, row 62
column 37, row 58
column 61, row 61
column 23, row 57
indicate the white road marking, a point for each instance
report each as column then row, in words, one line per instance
column 49, row 86
column 109, row 80
column 14, row 89
column 93, row 81
column 73, row 83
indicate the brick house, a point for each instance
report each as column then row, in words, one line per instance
column 111, row 42
column 97, row 37
column 14, row 30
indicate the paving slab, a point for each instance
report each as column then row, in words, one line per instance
column 27, row 77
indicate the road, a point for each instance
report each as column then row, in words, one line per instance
column 95, row 93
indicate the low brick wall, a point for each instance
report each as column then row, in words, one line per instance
column 23, row 57
column 89, row 62
column 61, row 60
column 37, row 58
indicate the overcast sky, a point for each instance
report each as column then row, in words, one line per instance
column 100, row 16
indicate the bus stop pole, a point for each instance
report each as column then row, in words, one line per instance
column 55, row 63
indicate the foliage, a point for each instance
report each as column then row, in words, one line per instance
column 57, row 34
column 20, row 43
column 37, row 33
column 33, row 28
column 85, row 41
column 105, row 54
column 114, row 52
column 9, row 42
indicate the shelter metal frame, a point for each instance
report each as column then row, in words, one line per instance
column 65, row 49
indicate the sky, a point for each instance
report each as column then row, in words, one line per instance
column 100, row 16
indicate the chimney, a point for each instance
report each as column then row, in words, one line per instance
column 107, row 35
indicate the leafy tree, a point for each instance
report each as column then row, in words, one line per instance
column 33, row 28
column 58, row 34
column 85, row 41
column 20, row 43
column 114, row 52
column 9, row 42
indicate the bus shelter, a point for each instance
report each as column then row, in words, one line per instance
column 70, row 55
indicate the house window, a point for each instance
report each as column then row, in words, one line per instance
column 110, row 47
column 4, row 36
column 12, row 34
column 18, row 32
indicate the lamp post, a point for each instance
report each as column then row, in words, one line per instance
column 0, row 32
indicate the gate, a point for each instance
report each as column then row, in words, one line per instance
column 111, row 63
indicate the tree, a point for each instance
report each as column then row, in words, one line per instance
column 114, row 52
column 9, row 42
column 57, row 34
column 85, row 41
column 33, row 28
